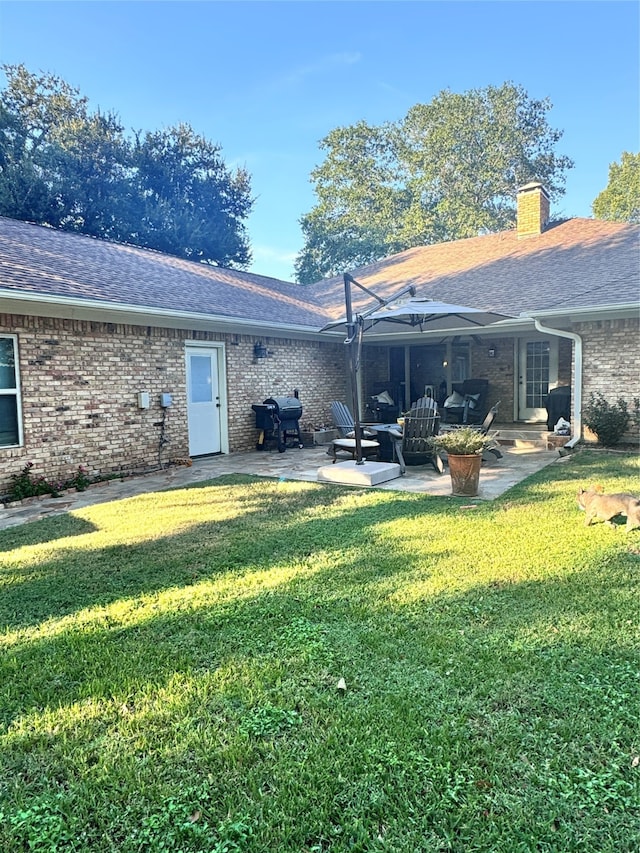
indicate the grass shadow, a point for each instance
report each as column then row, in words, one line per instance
column 45, row 530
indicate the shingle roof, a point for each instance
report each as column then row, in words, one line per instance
column 51, row 263
column 576, row 264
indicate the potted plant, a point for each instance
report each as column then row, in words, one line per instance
column 464, row 447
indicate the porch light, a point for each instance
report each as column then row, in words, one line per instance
column 260, row 351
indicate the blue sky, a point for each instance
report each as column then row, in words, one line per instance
column 268, row 80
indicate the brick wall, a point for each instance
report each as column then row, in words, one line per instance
column 610, row 358
column 80, row 380
column 499, row 370
column 315, row 368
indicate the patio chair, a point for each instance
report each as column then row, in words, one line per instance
column 467, row 403
column 413, row 442
column 483, row 428
column 343, row 420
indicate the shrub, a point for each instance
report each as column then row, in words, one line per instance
column 25, row 485
column 609, row 421
column 464, row 441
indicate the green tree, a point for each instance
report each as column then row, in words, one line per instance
column 620, row 200
column 449, row 169
column 65, row 166
column 189, row 204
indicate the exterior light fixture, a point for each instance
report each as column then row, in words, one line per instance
column 260, row 351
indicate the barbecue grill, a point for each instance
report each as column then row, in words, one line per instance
column 278, row 420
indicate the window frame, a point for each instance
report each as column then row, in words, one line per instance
column 14, row 392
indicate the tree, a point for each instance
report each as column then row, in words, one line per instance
column 449, row 169
column 189, row 204
column 65, row 166
column 620, row 200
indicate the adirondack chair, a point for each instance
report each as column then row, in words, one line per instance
column 343, row 419
column 421, row 423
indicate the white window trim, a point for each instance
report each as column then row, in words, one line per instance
column 14, row 392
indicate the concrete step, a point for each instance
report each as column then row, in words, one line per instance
column 529, row 436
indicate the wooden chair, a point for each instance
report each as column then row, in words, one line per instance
column 348, row 445
column 413, row 442
column 343, row 419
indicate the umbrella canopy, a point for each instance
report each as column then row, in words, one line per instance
column 427, row 315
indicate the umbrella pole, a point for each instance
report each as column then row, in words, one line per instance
column 353, row 344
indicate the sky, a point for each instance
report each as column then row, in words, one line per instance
column 267, row 81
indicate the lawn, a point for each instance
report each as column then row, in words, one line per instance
column 171, row 671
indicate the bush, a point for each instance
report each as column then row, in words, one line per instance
column 609, row 421
column 25, row 485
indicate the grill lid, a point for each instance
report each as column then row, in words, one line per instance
column 286, row 407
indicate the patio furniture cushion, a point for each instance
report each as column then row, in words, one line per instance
column 472, row 391
column 369, row 448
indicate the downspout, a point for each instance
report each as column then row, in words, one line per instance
column 576, row 396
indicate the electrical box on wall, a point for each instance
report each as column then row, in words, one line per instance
column 166, row 400
column 143, row 400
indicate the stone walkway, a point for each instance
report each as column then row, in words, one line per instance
column 294, row 464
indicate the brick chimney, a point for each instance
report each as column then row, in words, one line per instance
column 533, row 210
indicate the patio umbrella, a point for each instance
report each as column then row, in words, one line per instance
column 427, row 315
column 414, row 311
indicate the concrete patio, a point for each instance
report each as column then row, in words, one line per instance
column 496, row 477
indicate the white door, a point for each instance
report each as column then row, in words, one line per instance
column 537, row 372
column 203, row 401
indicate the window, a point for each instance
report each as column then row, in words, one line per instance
column 10, row 431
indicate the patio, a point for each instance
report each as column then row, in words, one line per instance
column 496, row 477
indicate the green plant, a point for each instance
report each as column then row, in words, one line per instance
column 635, row 413
column 23, row 485
column 80, row 480
column 463, row 441
column 609, row 421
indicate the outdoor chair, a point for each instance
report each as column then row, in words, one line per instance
column 467, row 403
column 348, row 446
column 483, row 428
column 344, row 423
column 413, row 443
column 343, row 420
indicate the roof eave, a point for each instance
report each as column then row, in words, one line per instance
column 592, row 312
column 89, row 309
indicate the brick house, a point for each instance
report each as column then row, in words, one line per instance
column 571, row 289
column 93, row 333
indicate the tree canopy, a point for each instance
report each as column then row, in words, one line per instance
column 620, row 200
column 449, row 169
column 65, row 166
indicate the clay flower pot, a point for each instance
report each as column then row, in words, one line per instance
column 465, row 474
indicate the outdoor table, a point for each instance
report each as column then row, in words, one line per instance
column 387, row 435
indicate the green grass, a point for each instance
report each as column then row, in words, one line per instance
column 170, row 664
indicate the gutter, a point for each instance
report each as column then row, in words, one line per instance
column 88, row 309
column 577, row 391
